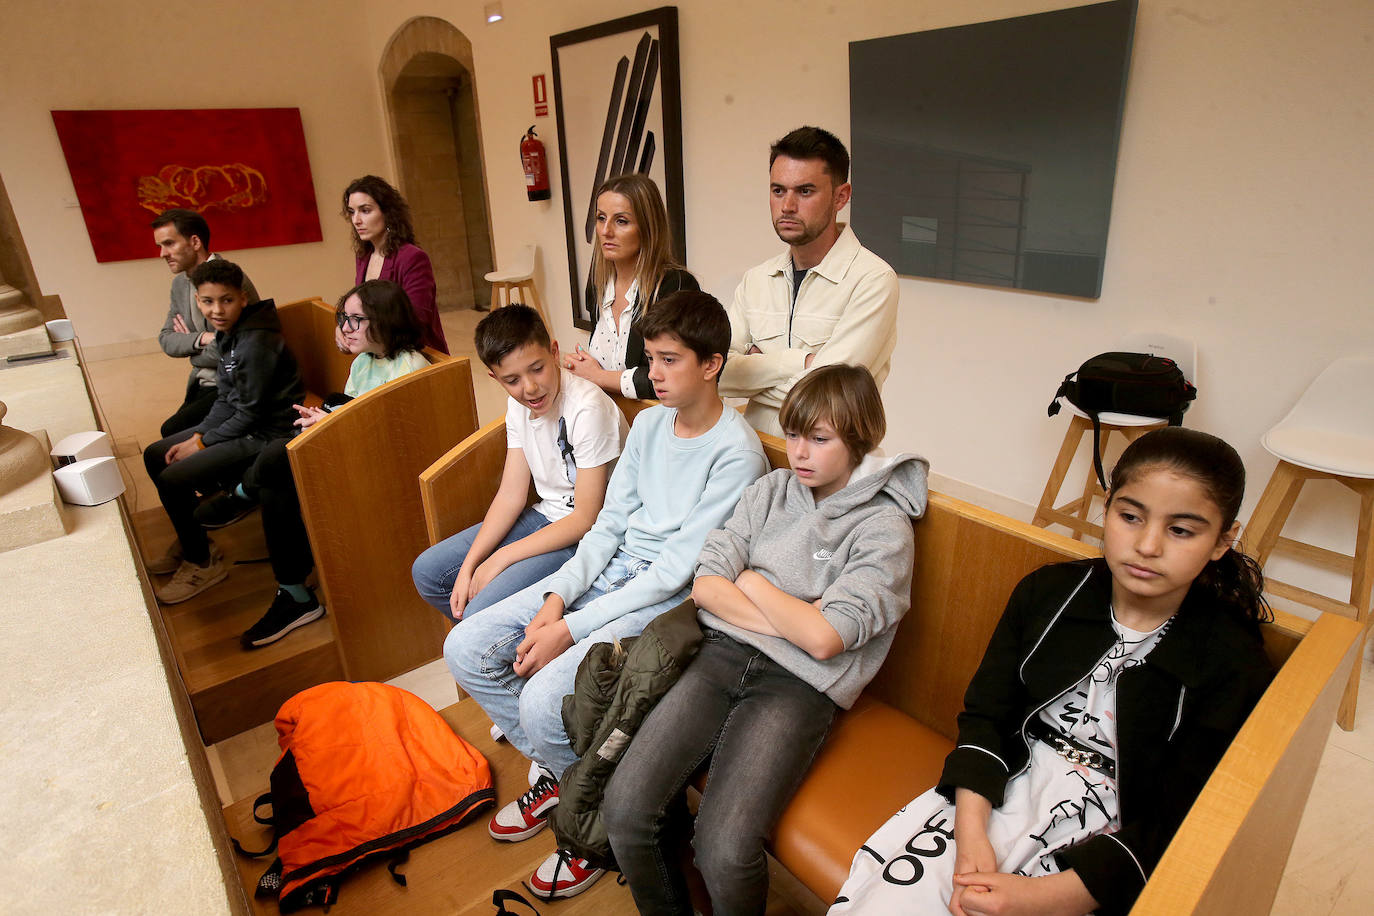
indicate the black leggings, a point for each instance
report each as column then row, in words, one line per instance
column 269, row 481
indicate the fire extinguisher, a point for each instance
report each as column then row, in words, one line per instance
column 536, row 166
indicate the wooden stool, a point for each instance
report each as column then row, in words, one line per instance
column 1074, row 514
column 1328, row 435
column 519, row 279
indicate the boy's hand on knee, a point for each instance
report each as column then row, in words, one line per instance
column 185, row 449
column 541, row 647
column 551, row 612
column 460, row 596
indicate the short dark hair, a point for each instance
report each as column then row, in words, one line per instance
column 508, row 329
column 217, row 270
column 814, row 143
column 693, row 317
column 399, row 228
column 391, row 319
column 187, row 222
column 844, row 396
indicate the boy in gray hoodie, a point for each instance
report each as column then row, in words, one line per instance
column 799, row 596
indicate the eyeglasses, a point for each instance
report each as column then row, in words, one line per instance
column 352, row 322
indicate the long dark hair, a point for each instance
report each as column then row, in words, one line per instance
column 1234, row 580
column 391, row 320
column 399, row 229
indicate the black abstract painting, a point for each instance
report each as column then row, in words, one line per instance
column 617, row 93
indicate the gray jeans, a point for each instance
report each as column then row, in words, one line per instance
column 760, row 725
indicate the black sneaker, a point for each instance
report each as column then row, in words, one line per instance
column 285, row 614
column 222, row 510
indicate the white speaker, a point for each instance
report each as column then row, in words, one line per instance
column 60, row 329
column 80, row 446
column 89, row 482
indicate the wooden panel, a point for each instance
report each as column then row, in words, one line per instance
column 967, row 562
column 454, row 874
column 308, row 326
column 357, row 473
column 457, row 489
column 1229, row 855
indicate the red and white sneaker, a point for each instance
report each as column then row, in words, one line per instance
column 563, row 875
column 527, row 815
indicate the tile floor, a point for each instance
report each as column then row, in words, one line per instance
column 1325, row 874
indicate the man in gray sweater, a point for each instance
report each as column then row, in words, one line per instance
column 799, row 596
column 183, row 241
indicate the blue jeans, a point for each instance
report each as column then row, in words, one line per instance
column 480, row 652
column 435, row 570
column 761, row 726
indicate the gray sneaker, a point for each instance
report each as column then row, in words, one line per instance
column 190, row 580
column 170, row 561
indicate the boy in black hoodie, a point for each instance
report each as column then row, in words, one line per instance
column 258, row 382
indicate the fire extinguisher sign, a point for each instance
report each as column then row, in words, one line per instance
column 541, row 96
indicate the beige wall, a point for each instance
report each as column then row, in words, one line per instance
column 310, row 54
column 1242, row 211
column 1241, row 215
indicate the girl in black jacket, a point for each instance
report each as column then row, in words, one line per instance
column 1108, row 693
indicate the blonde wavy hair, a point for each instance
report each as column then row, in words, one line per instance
column 655, row 236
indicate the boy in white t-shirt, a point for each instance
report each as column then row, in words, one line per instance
column 562, row 431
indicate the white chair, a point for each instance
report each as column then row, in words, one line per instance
column 1074, row 514
column 519, row 277
column 1328, row 435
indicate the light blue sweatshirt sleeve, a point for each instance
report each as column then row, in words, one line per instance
column 608, row 531
column 732, row 471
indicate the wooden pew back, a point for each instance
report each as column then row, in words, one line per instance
column 308, row 326
column 357, row 474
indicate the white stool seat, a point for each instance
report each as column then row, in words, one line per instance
column 1331, row 428
column 1328, row 450
column 1115, row 419
column 522, row 269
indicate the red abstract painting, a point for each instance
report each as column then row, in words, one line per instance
column 244, row 169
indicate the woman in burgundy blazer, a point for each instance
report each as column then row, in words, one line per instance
column 384, row 245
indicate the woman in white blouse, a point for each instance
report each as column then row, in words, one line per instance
column 632, row 267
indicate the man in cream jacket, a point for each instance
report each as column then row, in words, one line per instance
column 826, row 300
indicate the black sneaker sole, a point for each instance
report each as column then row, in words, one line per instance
column 308, row 617
column 214, row 524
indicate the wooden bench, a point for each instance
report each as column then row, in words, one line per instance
column 1229, row 854
column 1227, row 858
column 356, row 474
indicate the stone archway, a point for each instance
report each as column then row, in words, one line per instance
column 429, row 85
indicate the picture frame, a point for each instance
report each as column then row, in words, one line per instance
column 245, row 169
column 618, row 97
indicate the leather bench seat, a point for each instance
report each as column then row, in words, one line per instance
column 876, row 759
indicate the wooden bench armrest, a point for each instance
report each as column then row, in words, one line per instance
column 1229, row 854
column 457, row 489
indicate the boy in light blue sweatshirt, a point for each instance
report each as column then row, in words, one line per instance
column 685, row 464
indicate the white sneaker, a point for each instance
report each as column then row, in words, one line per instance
column 536, row 771
column 527, row 815
column 190, row 580
column 496, row 733
column 563, row 875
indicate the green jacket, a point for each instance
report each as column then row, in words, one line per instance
column 617, row 685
